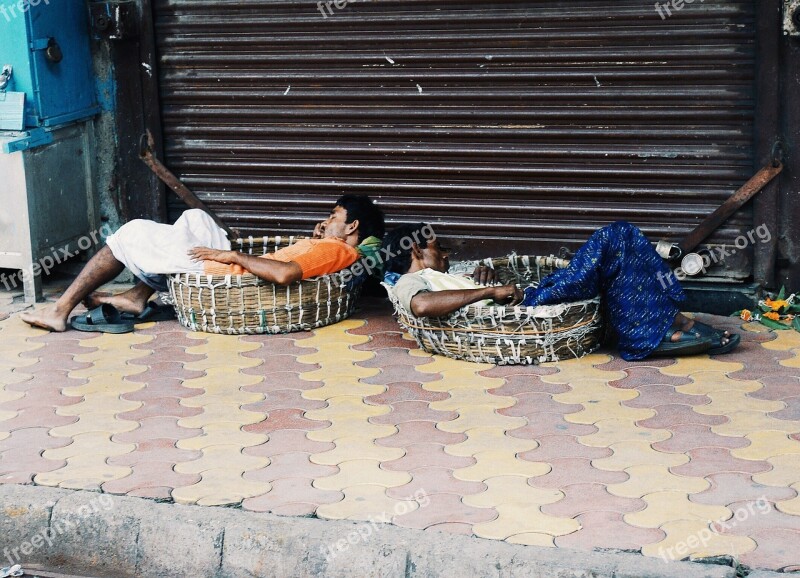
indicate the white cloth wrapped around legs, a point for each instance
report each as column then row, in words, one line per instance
column 149, row 249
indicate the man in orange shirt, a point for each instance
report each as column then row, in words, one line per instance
column 195, row 244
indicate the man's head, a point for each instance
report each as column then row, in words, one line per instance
column 411, row 248
column 353, row 219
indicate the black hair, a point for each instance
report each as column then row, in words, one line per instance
column 368, row 215
column 398, row 250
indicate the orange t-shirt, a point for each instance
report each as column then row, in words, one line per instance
column 315, row 257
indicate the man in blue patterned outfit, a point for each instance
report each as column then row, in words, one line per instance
column 617, row 262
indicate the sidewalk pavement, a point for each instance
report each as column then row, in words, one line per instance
column 693, row 457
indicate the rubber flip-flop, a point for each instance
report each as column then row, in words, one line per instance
column 688, row 344
column 716, row 336
column 152, row 312
column 104, row 319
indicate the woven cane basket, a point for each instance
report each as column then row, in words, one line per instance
column 245, row 304
column 509, row 335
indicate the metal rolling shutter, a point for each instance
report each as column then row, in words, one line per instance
column 511, row 125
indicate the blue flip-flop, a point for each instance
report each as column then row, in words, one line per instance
column 103, row 319
column 689, row 343
column 152, row 312
column 716, row 337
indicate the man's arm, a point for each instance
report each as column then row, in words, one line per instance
column 267, row 269
column 441, row 303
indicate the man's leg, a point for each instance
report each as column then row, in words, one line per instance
column 100, row 269
column 133, row 300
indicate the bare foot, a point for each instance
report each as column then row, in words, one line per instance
column 46, row 318
column 128, row 302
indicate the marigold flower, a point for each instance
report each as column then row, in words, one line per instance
column 772, row 315
column 746, row 315
column 776, row 304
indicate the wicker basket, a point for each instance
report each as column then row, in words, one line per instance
column 245, row 304
column 510, row 335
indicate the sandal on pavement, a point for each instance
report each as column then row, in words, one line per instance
column 716, row 337
column 152, row 312
column 104, row 319
column 688, row 344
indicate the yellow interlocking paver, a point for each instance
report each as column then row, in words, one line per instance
column 86, row 458
column 100, row 402
column 766, row 444
column 366, row 502
column 471, row 398
column 338, row 386
column 599, row 409
column 349, row 428
column 793, row 362
column 221, row 412
column 652, row 478
column 94, row 423
column 220, row 487
column 347, row 407
column 514, row 519
column 706, row 382
column 590, row 390
column 637, row 453
column 512, row 490
column 727, row 401
column 532, row 539
column 355, row 448
column 500, row 462
column 358, row 472
column 742, row 423
column 784, row 341
column 485, row 439
column 582, row 370
column 222, row 433
column 785, row 471
column 353, row 372
column 473, row 417
column 227, row 457
column 663, row 507
column 687, row 366
column 694, row 538
column 755, row 327
column 792, row 506
column 613, row 431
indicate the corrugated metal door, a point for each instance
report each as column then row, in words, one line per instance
column 512, row 125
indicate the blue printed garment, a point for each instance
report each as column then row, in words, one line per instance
column 640, row 293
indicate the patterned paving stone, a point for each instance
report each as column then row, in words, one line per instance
column 391, row 357
column 687, row 437
column 529, row 404
column 568, row 471
column 288, row 441
column 652, row 396
column 792, row 410
column 430, row 480
column 690, row 539
column 777, row 387
column 284, row 399
column 588, row 497
column 412, row 411
column 511, row 372
column 291, row 491
column 405, row 391
column 646, row 376
column 427, row 455
column 775, row 549
column 604, row 529
column 728, row 488
column 415, row 432
column 285, row 419
column 706, row 461
column 356, row 448
column 542, row 424
column 444, row 509
column 291, row 465
column 362, row 472
column 164, row 407
column 159, row 388
column 678, row 414
column 155, row 450
column 156, row 428
column 150, row 476
column 560, row 447
column 367, row 502
column 36, row 416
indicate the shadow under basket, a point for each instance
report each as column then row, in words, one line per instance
column 509, row 335
column 246, row 304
